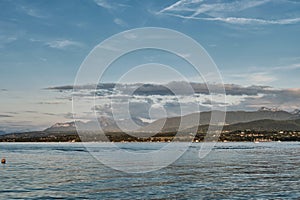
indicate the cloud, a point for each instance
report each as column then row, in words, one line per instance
column 111, row 90
column 197, row 7
column 63, row 44
column 287, row 99
column 148, row 96
column 31, row 111
column 262, row 75
column 50, row 102
column 103, row 3
column 107, row 86
column 110, row 5
column 7, row 39
column 5, row 116
column 33, row 12
column 120, row 22
column 259, row 78
column 241, row 20
column 230, row 13
column 14, row 113
column 287, row 67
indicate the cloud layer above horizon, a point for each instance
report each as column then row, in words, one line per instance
column 170, row 97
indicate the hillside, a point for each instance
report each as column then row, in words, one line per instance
column 258, row 125
column 232, row 117
column 265, row 123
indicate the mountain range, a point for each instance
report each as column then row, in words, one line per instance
column 267, row 119
column 232, row 117
column 262, row 120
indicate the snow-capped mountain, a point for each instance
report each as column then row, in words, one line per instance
column 296, row 112
column 107, row 124
column 269, row 109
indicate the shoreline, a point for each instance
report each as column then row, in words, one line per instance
column 167, row 137
column 97, row 142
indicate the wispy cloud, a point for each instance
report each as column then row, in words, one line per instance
column 120, row 22
column 7, row 39
column 5, row 116
column 197, row 7
column 63, row 44
column 264, row 75
column 33, row 12
column 223, row 12
column 240, row 20
column 104, row 4
column 287, row 67
column 270, row 69
column 260, row 78
column 51, row 102
column 287, row 99
column 110, row 5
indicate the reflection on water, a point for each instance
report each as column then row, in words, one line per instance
column 230, row 171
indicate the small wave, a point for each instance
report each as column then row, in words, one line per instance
column 234, row 147
column 70, row 150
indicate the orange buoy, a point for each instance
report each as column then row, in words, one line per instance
column 3, row 161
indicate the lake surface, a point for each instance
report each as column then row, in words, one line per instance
column 230, row 171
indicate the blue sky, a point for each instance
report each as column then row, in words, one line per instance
column 43, row 43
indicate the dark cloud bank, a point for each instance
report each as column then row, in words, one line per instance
column 250, row 98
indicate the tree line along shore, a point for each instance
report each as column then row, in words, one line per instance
column 225, row 136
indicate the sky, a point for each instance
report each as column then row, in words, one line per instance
column 43, row 43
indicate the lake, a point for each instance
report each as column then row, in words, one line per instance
column 229, row 171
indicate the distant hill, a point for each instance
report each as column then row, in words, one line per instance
column 266, row 125
column 258, row 125
column 107, row 125
column 296, row 112
column 271, row 130
column 270, row 121
column 2, row 132
column 62, row 127
column 232, row 117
